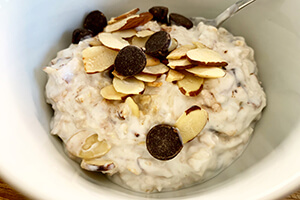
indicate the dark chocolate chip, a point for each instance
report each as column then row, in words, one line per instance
column 80, row 34
column 180, row 20
column 95, row 21
column 158, row 43
column 160, row 14
column 163, row 142
column 130, row 61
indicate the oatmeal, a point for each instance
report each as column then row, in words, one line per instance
column 154, row 116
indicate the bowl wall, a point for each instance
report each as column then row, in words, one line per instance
column 34, row 161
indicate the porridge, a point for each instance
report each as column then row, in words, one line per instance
column 155, row 104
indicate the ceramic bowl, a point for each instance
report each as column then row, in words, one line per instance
column 34, row 162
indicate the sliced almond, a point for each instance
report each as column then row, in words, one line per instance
column 112, row 41
column 125, row 33
column 135, row 22
column 199, row 45
column 86, row 145
column 206, row 57
column 190, row 85
column 97, row 149
column 49, row 70
column 144, row 33
column 144, row 101
column 98, row 58
column 173, row 44
column 156, row 69
column 180, row 64
column 123, row 16
column 119, row 24
column 191, row 123
column 146, row 77
column 180, row 52
column 116, row 74
column 95, row 42
column 207, row 72
column 155, row 84
column 128, row 86
column 138, row 41
column 75, row 143
column 151, row 61
column 98, row 165
column 110, row 93
column 133, row 106
column 174, row 75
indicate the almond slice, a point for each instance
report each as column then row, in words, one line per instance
column 123, row 16
column 116, row 74
column 206, row 57
column 200, row 45
column 98, row 165
column 151, row 61
column 119, row 24
column 85, row 144
column 156, row 69
column 155, row 84
column 146, row 77
column 95, row 42
column 133, row 106
column 144, row 33
column 180, row 64
column 191, row 123
column 139, row 42
column 190, row 85
column 173, row 44
column 112, row 41
column 110, row 93
column 94, row 150
column 174, row 75
column 207, row 72
column 180, row 52
column 98, row 58
column 125, row 33
column 139, row 21
column 128, row 86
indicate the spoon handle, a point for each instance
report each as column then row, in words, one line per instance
column 229, row 12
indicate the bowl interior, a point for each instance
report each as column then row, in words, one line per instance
column 34, row 161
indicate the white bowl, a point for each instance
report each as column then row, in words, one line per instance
column 34, row 161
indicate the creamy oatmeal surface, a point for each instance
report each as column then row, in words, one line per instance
column 83, row 118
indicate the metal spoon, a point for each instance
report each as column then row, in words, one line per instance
column 229, row 12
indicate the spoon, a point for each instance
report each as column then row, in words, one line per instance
column 229, row 12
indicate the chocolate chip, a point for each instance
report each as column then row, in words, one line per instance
column 80, row 34
column 95, row 21
column 160, row 14
column 163, row 142
column 158, row 43
column 180, row 20
column 130, row 61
